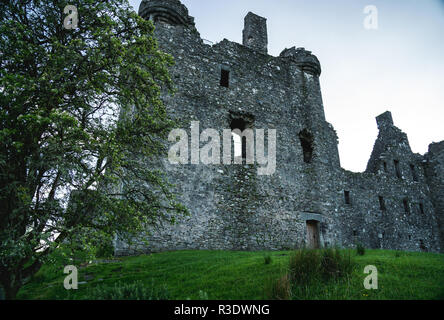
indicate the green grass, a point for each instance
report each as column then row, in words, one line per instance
column 244, row 275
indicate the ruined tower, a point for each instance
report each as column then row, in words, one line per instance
column 308, row 199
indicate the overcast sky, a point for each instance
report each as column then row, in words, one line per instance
column 398, row 67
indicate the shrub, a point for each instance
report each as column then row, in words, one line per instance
column 304, row 266
column 308, row 265
column 360, row 249
column 128, row 291
column 267, row 259
column 279, row 289
column 335, row 264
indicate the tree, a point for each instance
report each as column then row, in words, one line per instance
column 80, row 119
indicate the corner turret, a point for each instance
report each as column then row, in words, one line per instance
column 172, row 12
column 304, row 59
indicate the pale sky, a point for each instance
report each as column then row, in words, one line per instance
column 398, row 67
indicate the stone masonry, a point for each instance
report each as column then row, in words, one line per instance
column 397, row 203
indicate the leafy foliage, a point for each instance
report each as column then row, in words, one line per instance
column 80, row 116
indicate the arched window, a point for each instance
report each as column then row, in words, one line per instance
column 240, row 142
column 237, row 144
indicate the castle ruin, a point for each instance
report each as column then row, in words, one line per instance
column 397, row 203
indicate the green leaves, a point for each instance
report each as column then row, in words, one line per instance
column 80, row 110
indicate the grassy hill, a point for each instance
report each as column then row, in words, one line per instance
column 241, row 275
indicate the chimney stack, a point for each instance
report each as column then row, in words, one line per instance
column 255, row 33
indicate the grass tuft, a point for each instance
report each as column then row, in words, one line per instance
column 136, row 290
column 360, row 249
column 279, row 289
column 267, row 259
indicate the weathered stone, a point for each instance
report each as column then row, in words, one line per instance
column 397, row 203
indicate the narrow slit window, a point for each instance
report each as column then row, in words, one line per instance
column 382, row 203
column 347, row 197
column 406, row 205
column 385, row 167
column 307, row 145
column 397, row 171
column 244, row 147
column 421, row 208
column 225, row 78
column 413, row 170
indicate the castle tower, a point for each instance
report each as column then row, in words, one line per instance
column 172, row 12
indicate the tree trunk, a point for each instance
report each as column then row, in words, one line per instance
column 11, row 284
column 2, row 293
column 11, row 292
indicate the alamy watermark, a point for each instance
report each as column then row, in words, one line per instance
column 371, row 281
column 371, row 21
column 210, row 153
column 71, row 280
column 72, row 19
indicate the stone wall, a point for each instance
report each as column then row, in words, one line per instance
column 434, row 170
column 234, row 208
